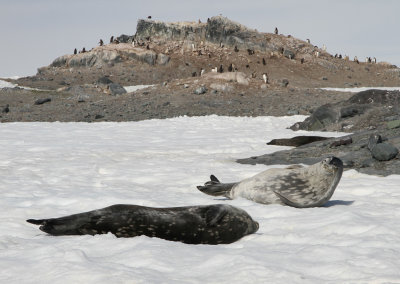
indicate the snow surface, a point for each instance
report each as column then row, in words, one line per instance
column 55, row 169
column 6, row 84
column 134, row 88
column 360, row 89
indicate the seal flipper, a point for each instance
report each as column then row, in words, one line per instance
column 215, row 188
column 215, row 214
column 36, row 222
column 77, row 224
column 214, row 178
column 289, row 202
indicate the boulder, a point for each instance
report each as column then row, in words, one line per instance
column 200, row 90
column 296, row 141
column 104, row 80
column 42, row 101
column 221, row 87
column 162, row 59
column 238, row 77
column 321, row 117
column 60, row 61
column 116, row 89
column 393, row 124
column 384, row 152
column 373, row 140
column 284, row 83
column 288, row 54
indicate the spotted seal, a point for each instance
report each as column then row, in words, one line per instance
column 296, row 186
column 208, row 224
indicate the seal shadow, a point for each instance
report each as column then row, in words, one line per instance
column 338, row 202
column 222, row 199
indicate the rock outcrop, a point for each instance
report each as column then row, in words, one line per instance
column 380, row 158
column 220, row 30
column 367, row 109
column 110, row 54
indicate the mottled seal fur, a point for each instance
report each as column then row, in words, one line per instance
column 296, row 186
column 209, row 224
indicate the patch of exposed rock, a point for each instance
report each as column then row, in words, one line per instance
column 373, row 109
column 108, row 55
column 378, row 158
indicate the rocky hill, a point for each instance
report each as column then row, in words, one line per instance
column 217, row 67
column 177, row 59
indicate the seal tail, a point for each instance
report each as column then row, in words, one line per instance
column 215, row 188
column 68, row 225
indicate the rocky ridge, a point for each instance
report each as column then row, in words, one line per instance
column 178, row 61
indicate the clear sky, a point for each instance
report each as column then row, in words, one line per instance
column 34, row 32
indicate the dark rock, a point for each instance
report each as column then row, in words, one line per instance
column 6, row 109
column 367, row 108
column 288, row 54
column 373, row 140
column 296, row 141
column 116, row 89
column 321, row 117
column 200, row 90
column 104, row 80
column 350, row 111
column 341, row 142
column 99, row 116
column 162, row 59
column 293, row 112
column 374, row 96
column 393, row 124
column 42, row 101
column 124, row 38
column 284, row 82
column 367, row 163
column 384, row 152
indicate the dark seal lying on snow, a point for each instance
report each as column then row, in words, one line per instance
column 295, row 185
column 210, row 224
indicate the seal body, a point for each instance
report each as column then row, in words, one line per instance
column 295, row 185
column 211, row 224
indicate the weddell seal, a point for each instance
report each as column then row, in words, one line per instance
column 208, row 224
column 296, row 186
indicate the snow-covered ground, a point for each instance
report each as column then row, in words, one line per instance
column 360, row 89
column 6, row 84
column 55, row 169
column 134, row 88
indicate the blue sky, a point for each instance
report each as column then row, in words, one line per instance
column 33, row 33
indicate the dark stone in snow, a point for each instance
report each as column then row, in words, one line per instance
column 42, row 101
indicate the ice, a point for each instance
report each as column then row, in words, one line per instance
column 55, row 169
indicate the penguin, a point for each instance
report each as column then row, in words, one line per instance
column 276, row 31
column 236, row 48
column 221, row 69
column 111, row 39
column 265, row 78
column 101, row 42
column 75, row 51
column 264, row 62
